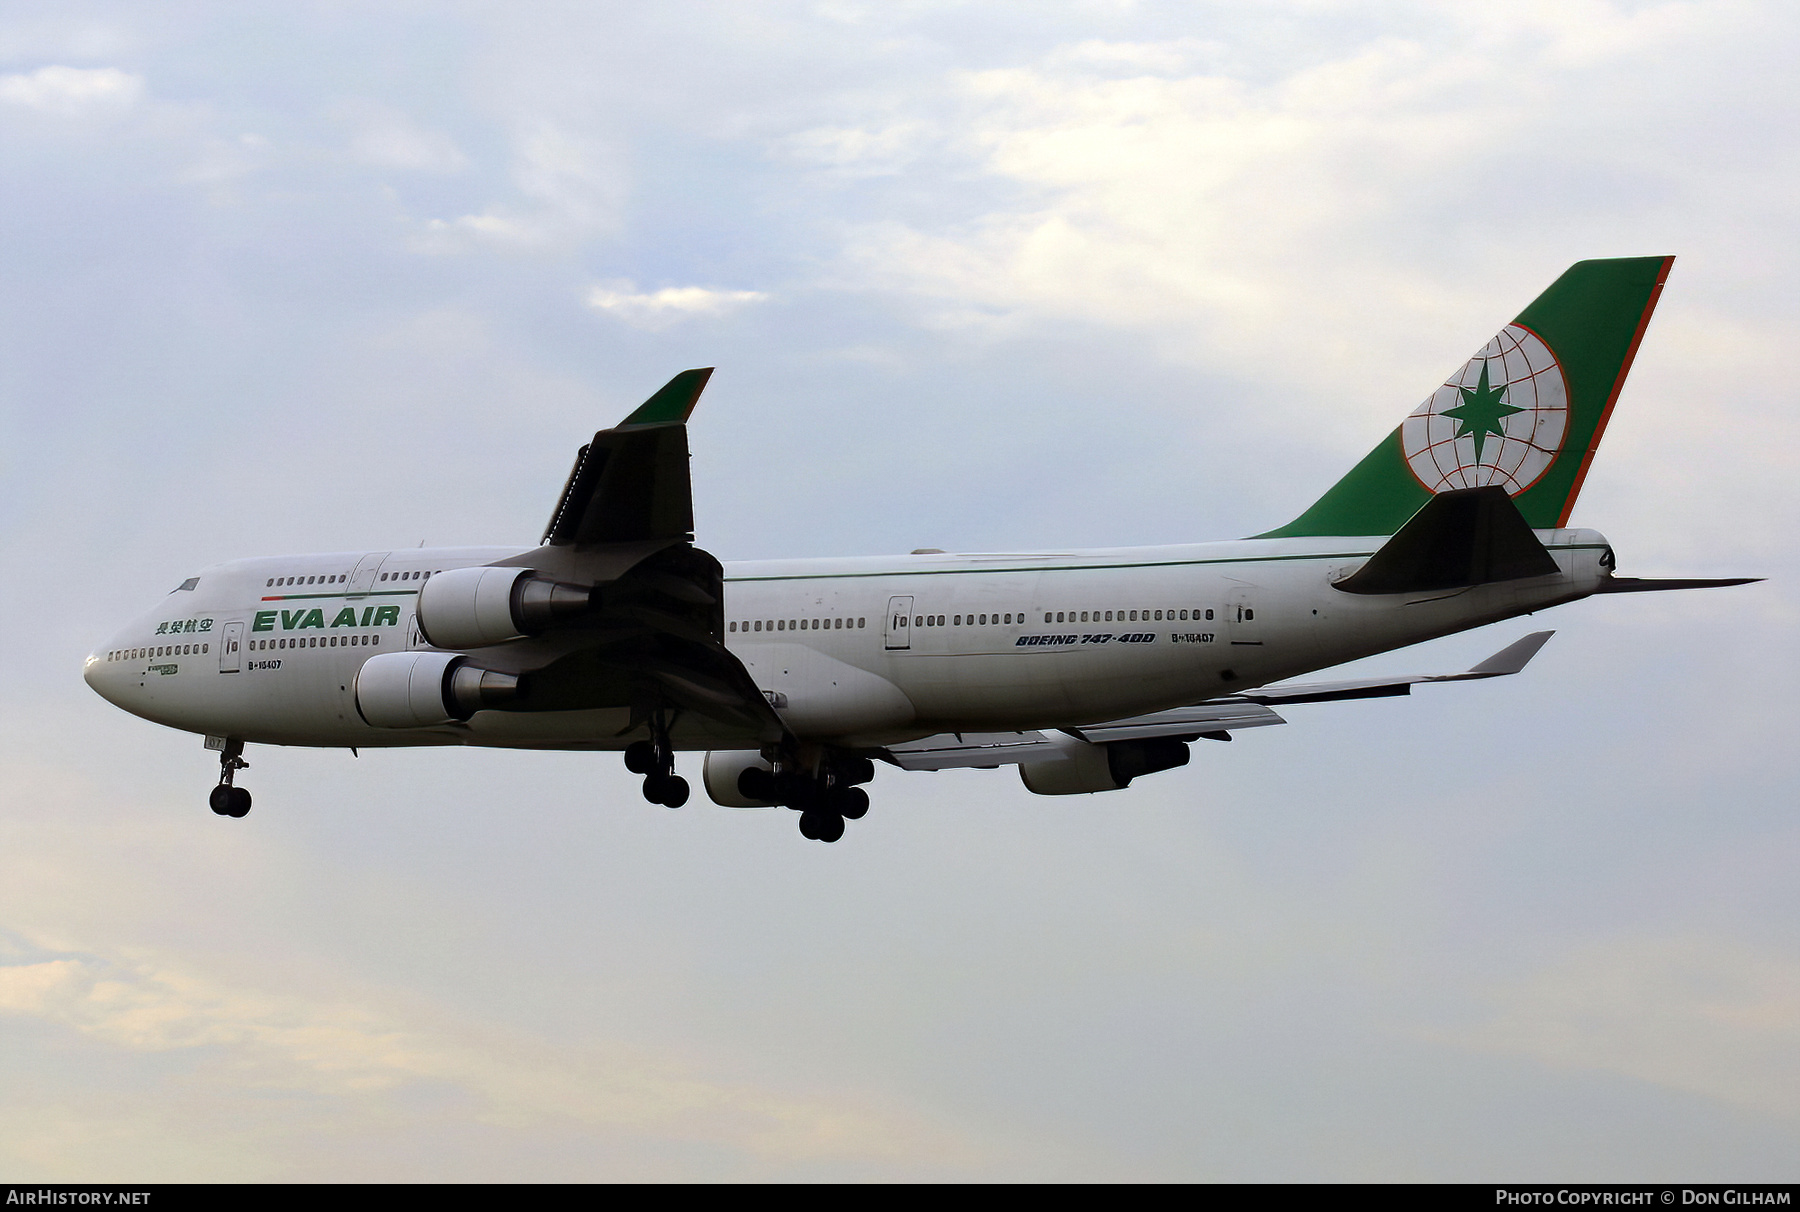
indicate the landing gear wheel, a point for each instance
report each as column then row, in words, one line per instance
column 674, row 791
column 654, row 787
column 821, row 826
column 852, row 803
column 225, row 799
column 755, row 783
column 640, row 757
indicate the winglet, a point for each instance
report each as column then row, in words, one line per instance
column 674, row 403
column 1514, row 657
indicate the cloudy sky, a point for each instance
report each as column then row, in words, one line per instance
column 315, row 276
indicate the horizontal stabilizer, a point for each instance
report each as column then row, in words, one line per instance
column 1645, row 585
column 1464, row 537
column 1509, row 660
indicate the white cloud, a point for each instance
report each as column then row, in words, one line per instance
column 859, row 151
column 72, row 91
column 1238, row 213
column 660, row 308
column 387, row 138
column 352, row 1053
column 1709, row 1017
column 575, row 188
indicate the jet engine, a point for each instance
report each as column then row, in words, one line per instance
column 1109, row 767
column 423, row 689
column 723, row 769
column 741, row 778
column 474, row 607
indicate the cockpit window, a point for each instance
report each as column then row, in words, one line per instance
column 187, row 584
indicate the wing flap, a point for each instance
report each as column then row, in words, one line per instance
column 1221, row 715
column 953, row 750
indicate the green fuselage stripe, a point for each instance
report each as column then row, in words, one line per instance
column 938, row 572
column 299, row 597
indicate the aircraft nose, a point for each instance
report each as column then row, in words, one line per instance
column 93, row 672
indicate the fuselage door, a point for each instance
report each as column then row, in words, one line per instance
column 899, row 623
column 363, row 579
column 231, row 644
column 1241, row 623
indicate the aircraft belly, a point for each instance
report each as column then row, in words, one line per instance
column 817, row 694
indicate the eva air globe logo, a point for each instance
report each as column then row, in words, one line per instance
column 1500, row 420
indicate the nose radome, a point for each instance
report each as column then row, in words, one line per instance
column 91, row 672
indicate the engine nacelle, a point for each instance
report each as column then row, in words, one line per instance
column 424, row 689
column 724, row 767
column 475, row 607
column 1087, row 768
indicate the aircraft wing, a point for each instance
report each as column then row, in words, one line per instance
column 651, row 635
column 950, row 750
column 1214, row 720
column 1509, row 660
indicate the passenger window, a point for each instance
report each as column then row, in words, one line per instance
column 1249, row 615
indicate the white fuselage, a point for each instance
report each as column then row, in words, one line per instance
column 859, row 652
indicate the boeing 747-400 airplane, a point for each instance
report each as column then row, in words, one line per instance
column 1085, row 669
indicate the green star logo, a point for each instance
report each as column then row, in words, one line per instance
column 1482, row 410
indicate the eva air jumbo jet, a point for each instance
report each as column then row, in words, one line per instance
column 1085, row 669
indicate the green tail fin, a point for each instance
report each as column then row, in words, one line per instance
column 1526, row 412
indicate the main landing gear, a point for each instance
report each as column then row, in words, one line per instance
column 655, row 760
column 227, row 800
column 825, row 798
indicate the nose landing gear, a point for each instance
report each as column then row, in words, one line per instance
column 226, row 799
